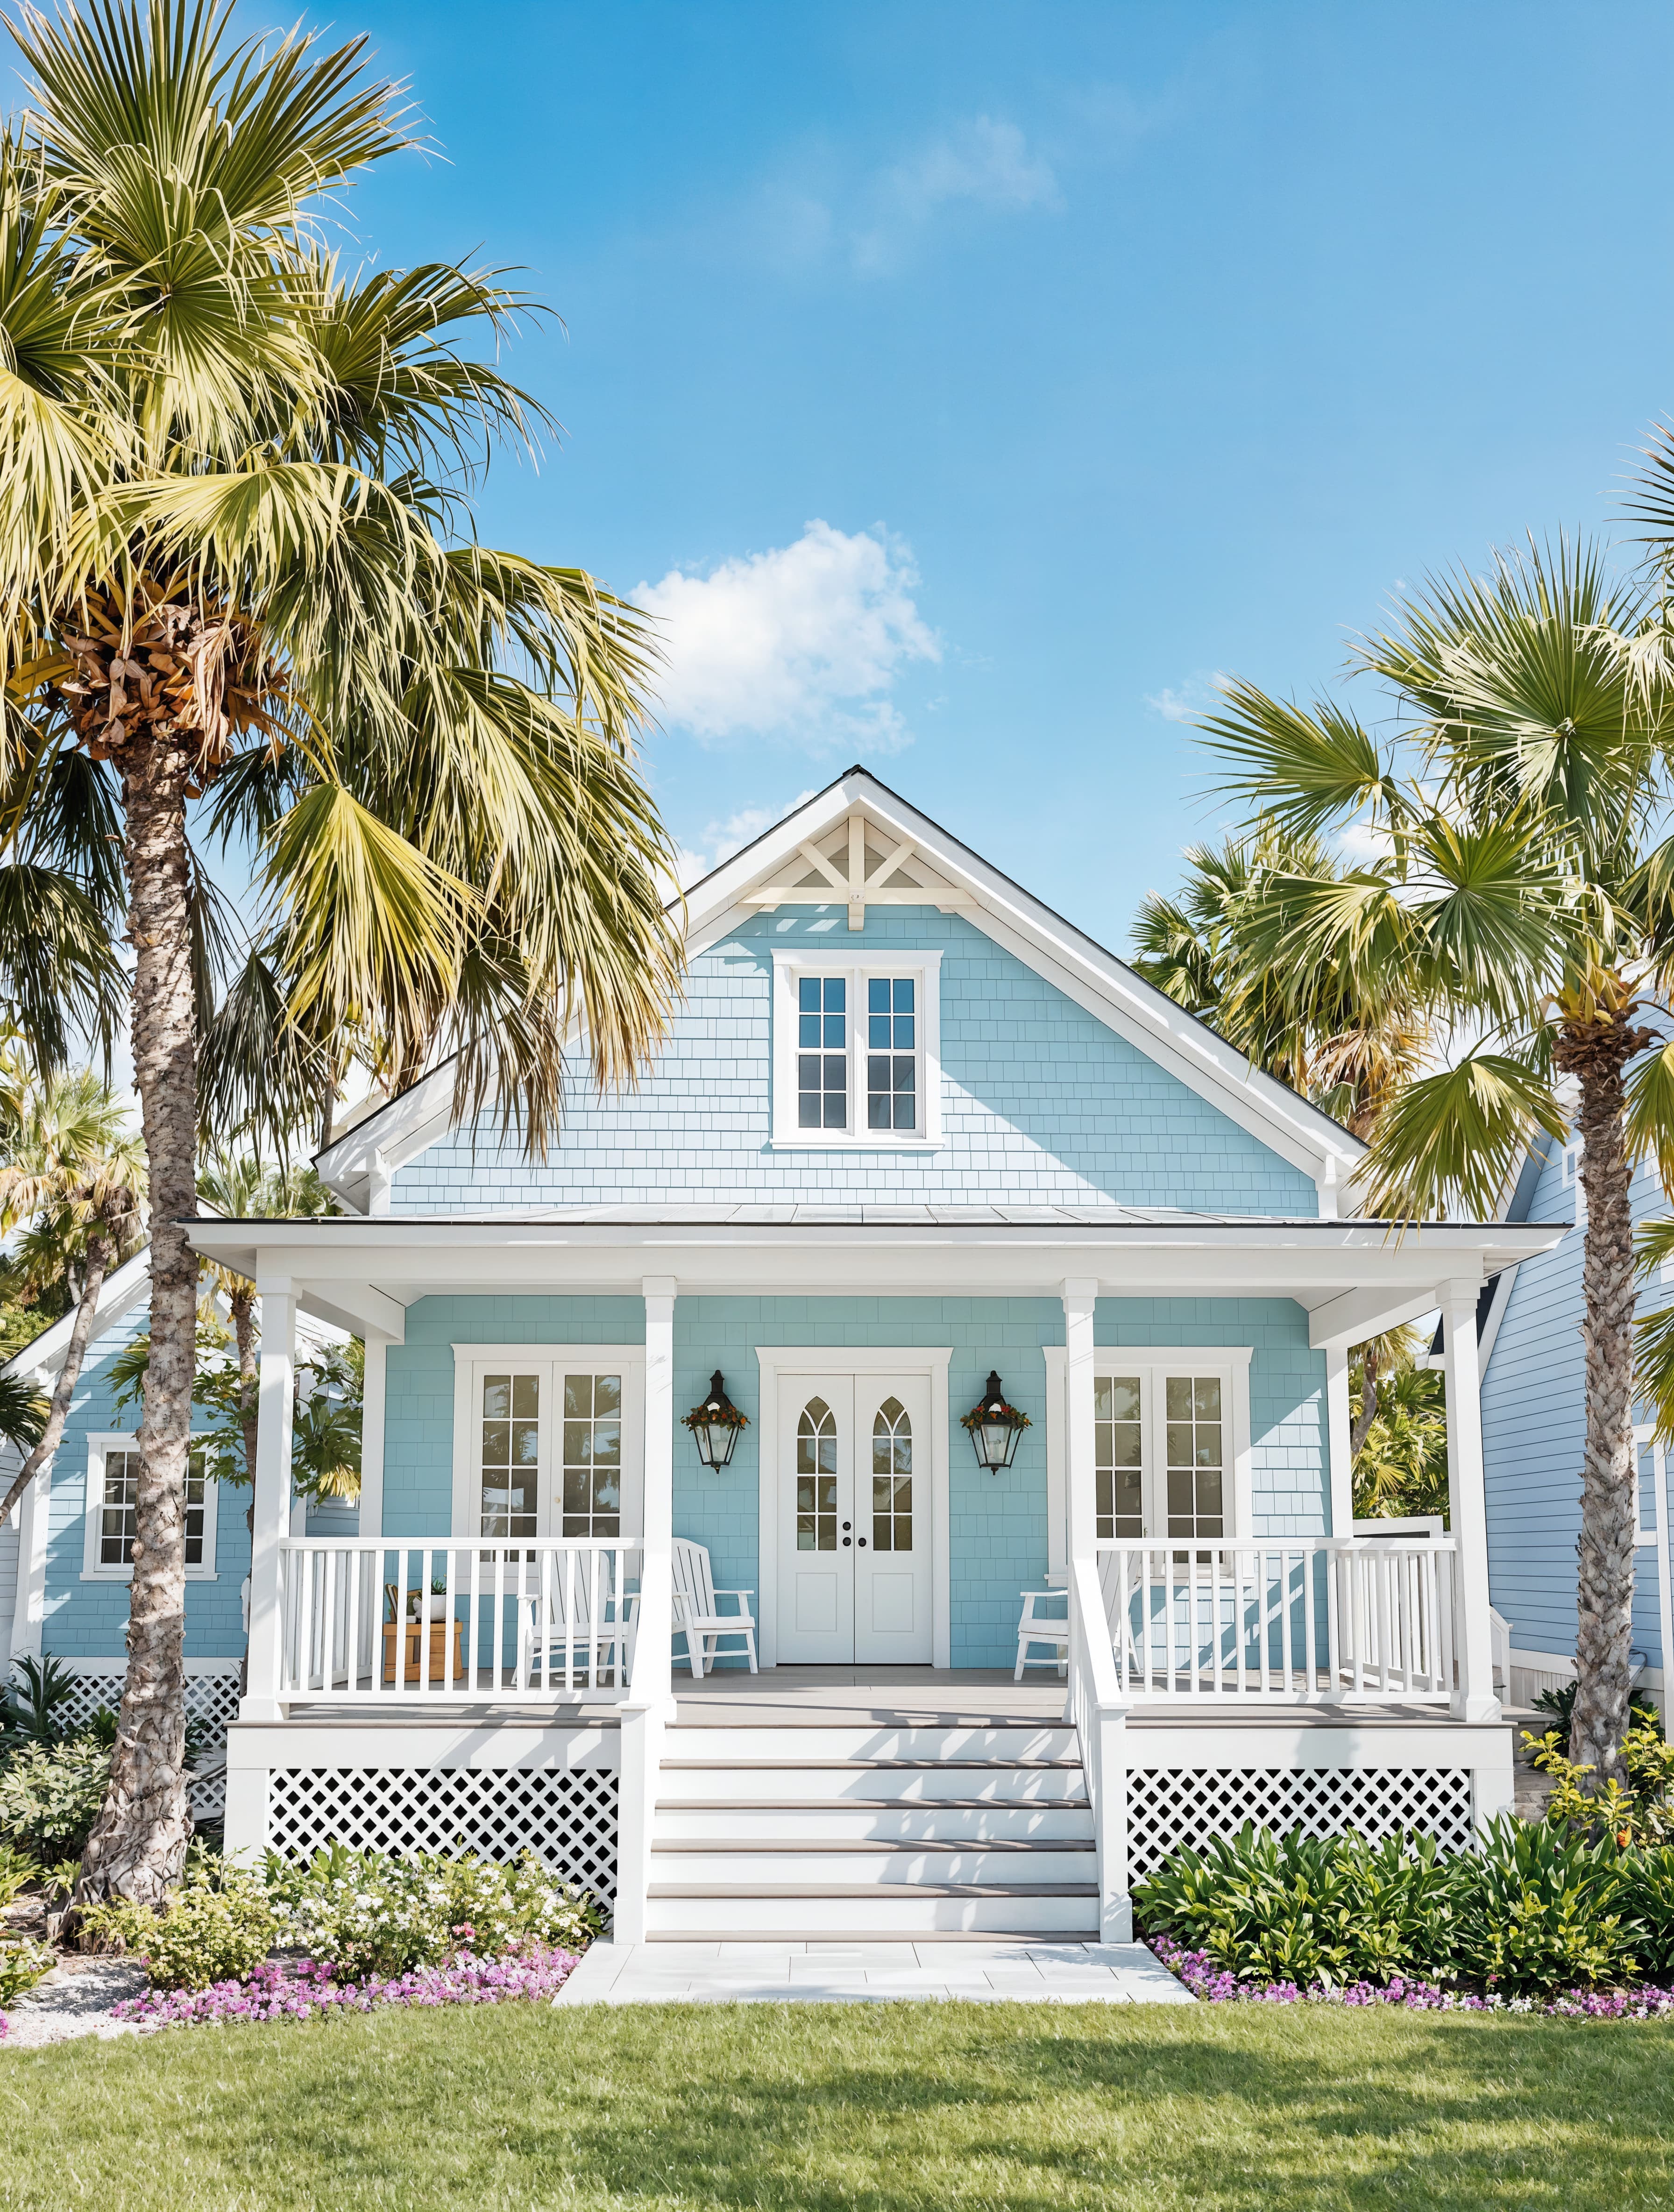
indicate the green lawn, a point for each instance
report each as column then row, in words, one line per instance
column 861, row 2105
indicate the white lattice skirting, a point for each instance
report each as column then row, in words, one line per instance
column 566, row 1815
column 1169, row 1806
column 209, row 1698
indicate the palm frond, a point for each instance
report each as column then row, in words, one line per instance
column 1305, row 771
column 1450, row 1140
column 1650, row 1118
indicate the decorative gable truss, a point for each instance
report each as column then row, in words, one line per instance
column 859, row 873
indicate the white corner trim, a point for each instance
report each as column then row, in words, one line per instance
column 372, row 1400
column 1230, row 1362
column 473, row 1361
column 930, row 1362
column 99, row 1443
column 925, row 968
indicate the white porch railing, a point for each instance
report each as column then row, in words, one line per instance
column 1313, row 1621
column 370, row 1621
column 1099, row 1711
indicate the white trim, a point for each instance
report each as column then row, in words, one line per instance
column 1645, row 1433
column 101, row 1441
column 29, row 1606
column 925, row 969
column 1230, row 1362
column 1012, row 917
column 932, row 1363
column 472, row 1361
column 371, row 1509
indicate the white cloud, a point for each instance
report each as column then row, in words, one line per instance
column 982, row 162
column 802, row 643
column 720, row 839
column 1199, row 695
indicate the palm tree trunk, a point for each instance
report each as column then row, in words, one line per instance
column 98, row 1261
column 138, row 1847
column 1596, row 1051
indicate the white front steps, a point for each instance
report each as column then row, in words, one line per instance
column 872, row 1831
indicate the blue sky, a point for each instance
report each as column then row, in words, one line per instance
column 965, row 384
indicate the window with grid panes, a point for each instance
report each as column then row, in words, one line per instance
column 119, row 1508
column 1119, row 1456
column 891, row 1053
column 822, row 1052
column 511, row 1455
column 592, row 1480
column 816, row 1478
column 1195, row 1463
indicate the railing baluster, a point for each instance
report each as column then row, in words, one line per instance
column 1310, row 1625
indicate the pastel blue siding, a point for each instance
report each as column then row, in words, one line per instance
column 1534, row 1422
column 88, row 1620
column 1041, row 1103
column 997, row 1523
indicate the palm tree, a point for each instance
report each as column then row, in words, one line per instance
column 1527, row 897
column 75, row 1173
column 237, row 575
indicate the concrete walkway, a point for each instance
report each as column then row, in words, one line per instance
column 1031, row 1971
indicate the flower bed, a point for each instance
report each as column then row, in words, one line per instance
column 1214, row 1984
column 308, row 1990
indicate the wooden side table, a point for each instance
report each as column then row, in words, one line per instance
column 410, row 1631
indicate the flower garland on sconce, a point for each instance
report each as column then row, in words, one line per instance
column 716, row 1424
column 994, row 1427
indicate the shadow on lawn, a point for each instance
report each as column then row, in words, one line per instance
column 1507, row 2113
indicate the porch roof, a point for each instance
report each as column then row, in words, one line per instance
column 1355, row 1277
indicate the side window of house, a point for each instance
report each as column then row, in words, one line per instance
column 510, row 1455
column 891, row 1053
column 856, row 1050
column 593, row 1456
column 118, row 1507
column 822, row 1052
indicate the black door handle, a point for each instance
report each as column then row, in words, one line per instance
column 847, row 1524
column 862, row 1543
column 846, row 1541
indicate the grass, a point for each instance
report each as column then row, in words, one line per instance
column 865, row 2108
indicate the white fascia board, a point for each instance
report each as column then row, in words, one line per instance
column 117, row 1293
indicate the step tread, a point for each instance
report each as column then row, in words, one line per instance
column 797, row 1846
column 1025, row 1938
column 889, row 1765
column 874, row 1889
column 874, row 1804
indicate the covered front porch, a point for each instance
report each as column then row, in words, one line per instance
column 1261, row 1660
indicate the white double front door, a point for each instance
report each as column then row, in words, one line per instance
column 855, row 1581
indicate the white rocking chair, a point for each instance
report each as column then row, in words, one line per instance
column 1043, row 1628
column 554, row 1636
column 697, row 1615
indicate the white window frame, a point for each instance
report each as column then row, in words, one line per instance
column 1645, row 1433
column 1151, row 1362
column 1571, row 1173
column 551, row 1361
column 94, row 1570
column 790, row 966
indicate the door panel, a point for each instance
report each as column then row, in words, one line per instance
column 817, row 1543
column 892, row 1558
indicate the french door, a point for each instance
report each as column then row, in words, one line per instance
column 854, row 1519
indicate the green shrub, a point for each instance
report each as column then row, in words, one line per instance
column 1537, row 1910
column 1647, row 1906
column 17, row 1871
column 49, row 1796
column 210, row 1930
column 365, row 1913
column 1306, row 1909
column 22, row 1964
column 1639, row 1812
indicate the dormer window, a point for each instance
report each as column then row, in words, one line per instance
column 855, row 1051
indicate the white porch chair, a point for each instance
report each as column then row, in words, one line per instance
column 600, row 1647
column 698, row 1616
column 1034, row 1627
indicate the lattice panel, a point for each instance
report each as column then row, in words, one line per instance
column 212, row 1698
column 568, row 1815
column 1168, row 1807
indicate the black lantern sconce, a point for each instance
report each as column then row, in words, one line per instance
column 994, row 1427
column 716, row 1424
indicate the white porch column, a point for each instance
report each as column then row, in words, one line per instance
column 1340, row 1439
column 372, row 1435
column 272, row 1493
column 648, row 1706
column 29, row 1606
column 1080, row 1477
column 1473, row 1693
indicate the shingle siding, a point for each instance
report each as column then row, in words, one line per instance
column 1534, row 1422
column 1041, row 1103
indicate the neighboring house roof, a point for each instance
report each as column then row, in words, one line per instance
column 922, row 865
column 119, row 1292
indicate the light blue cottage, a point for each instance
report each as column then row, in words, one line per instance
column 909, row 1131
column 1534, row 1421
